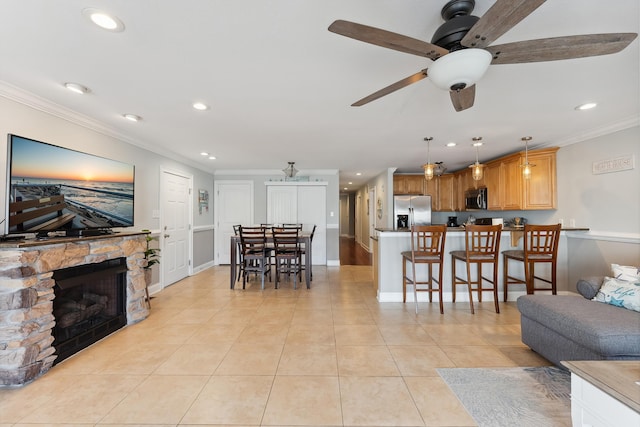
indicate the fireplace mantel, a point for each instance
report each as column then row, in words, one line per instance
column 26, row 294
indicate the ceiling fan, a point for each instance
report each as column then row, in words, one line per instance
column 461, row 51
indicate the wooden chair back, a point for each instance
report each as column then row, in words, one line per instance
column 253, row 240
column 541, row 241
column 285, row 241
column 482, row 241
column 428, row 241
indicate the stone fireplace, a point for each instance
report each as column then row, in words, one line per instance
column 28, row 292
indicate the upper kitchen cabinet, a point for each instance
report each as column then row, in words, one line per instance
column 540, row 191
column 443, row 192
column 408, row 184
column 507, row 189
column 447, row 191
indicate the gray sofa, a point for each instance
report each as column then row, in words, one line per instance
column 566, row 327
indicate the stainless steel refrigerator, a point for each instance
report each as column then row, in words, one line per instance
column 411, row 210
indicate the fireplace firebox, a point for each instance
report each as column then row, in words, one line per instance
column 89, row 304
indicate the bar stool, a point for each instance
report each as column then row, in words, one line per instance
column 540, row 246
column 482, row 244
column 427, row 247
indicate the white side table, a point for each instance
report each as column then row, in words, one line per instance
column 605, row 393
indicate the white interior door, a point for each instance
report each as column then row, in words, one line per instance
column 175, row 202
column 282, row 204
column 312, row 210
column 233, row 205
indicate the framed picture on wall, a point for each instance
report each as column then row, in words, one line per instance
column 203, row 201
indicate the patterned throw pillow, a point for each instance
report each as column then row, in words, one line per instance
column 619, row 293
column 626, row 272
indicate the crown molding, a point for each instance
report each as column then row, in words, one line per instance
column 623, row 124
column 278, row 172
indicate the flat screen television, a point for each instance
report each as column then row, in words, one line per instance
column 56, row 189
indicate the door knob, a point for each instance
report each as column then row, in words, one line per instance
column 166, row 236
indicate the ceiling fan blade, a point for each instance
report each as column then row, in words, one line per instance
column 387, row 39
column 392, row 88
column 500, row 18
column 556, row 48
column 463, row 99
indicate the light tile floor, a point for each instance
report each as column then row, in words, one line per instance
column 330, row 356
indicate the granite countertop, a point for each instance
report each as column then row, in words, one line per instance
column 453, row 229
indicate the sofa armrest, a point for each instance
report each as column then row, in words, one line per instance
column 588, row 286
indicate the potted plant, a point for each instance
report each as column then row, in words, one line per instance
column 151, row 255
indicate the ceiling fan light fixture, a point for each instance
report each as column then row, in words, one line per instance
column 459, row 69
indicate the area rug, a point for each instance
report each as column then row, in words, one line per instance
column 536, row 397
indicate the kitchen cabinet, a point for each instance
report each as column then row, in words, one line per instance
column 508, row 190
column 540, row 190
column 443, row 191
column 512, row 183
column 447, row 189
column 408, row 184
column 494, row 181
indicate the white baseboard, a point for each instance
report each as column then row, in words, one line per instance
column 202, row 267
column 461, row 296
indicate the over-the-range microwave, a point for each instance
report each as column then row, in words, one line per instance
column 475, row 199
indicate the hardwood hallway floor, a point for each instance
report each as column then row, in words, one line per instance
column 351, row 253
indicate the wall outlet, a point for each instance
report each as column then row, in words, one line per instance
column 572, row 222
column 561, row 222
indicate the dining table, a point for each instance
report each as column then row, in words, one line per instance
column 303, row 239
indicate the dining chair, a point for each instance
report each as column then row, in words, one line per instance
column 288, row 258
column 255, row 253
column 427, row 247
column 540, row 247
column 482, row 245
column 240, row 260
column 295, row 225
column 303, row 250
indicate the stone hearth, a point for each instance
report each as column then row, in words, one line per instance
column 26, row 295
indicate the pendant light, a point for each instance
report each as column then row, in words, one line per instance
column 290, row 171
column 477, row 168
column 428, row 167
column 526, row 167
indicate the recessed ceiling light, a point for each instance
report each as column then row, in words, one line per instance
column 204, row 153
column 212, row 158
column 350, row 183
column 77, row 88
column 451, row 144
column 359, row 173
column 587, row 106
column 345, row 188
column 132, row 117
column 103, row 19
column 200, row 106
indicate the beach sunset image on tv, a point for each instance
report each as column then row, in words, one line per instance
column 55, row 188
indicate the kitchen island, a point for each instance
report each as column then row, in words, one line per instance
column 389, row 243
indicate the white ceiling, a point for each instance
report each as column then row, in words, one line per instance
column 280, row 85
